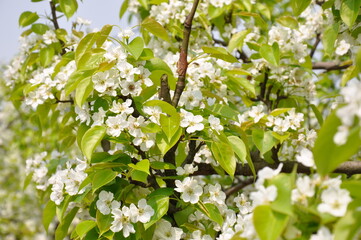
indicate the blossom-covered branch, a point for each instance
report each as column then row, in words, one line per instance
column 183, row 62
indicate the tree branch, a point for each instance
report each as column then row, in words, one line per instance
column 54, row 18
column 183, row 63
column 313, row 50
column 164, row 89
column 238, row 187
column 329, row 66
column 348, row 167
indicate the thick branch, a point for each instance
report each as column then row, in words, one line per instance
column 183, row 63
column 349, row 168
column 329, row 66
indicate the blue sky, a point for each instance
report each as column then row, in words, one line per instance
column 99, row 12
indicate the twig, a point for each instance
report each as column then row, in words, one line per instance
column 313, row 50
column 183, row 63
column 329, row 66
column 53, row 14
column 348, row 167
column 238, row 187
column 193, row 149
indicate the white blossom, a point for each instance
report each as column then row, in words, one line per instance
column 190, row 189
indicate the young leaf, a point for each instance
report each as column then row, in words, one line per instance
column 329, row 38
column 224, row 155
column 269, row 225
column 91, row 139
column 68, row 7
column 27, row 18
column 288, row 21
column 328, row 156
column 83, row 90
column 270, row 53
column 142, row 166
column 85, row 44
column 48, row 214
column 238, row 147
column 135, row 47
column 263, row 140
column 102, row 177
column 46, row 56
column 236, row 42
column 62, row 229
column 155, row 28
column 299, row 6
column 84, row 227
column 160, row 204
column 349, row 11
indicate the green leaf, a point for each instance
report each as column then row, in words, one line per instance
column 123, row 8
column 91, row 59
column 48, row 214
column 245, row 84
column 223, row 110
column 328, row 156
column 161, row 165
column 238, row 147
column 83, row 90
column 46, row 56
column 353, row 186
column 155, row 28
column 135, row 47
column 103, row 35
column 141, row 166
column 224, row 155
column 284, row 183
column 329, row 38
column 139, row 176
column 39, row 28
column 279, row 111
column 103, row 222
column 269, row 225
column 91, row 139
column 358, row 60
column 236, row 41
column 62, row 229
column 211, row 211
column 85, row 44
column 348, row 74
column 102, row 177
column 298, row 6
column 287, row 21
column 84, row 227
column 270, row 53
column 160, row 204
column 349, row 11
column 161, row 192
column 164, row 144
column 27, row 18
column 220, row 53
column 68, row 7
column 348, row 227
column 170, row 124
column 264, row 141
column 317, row 114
